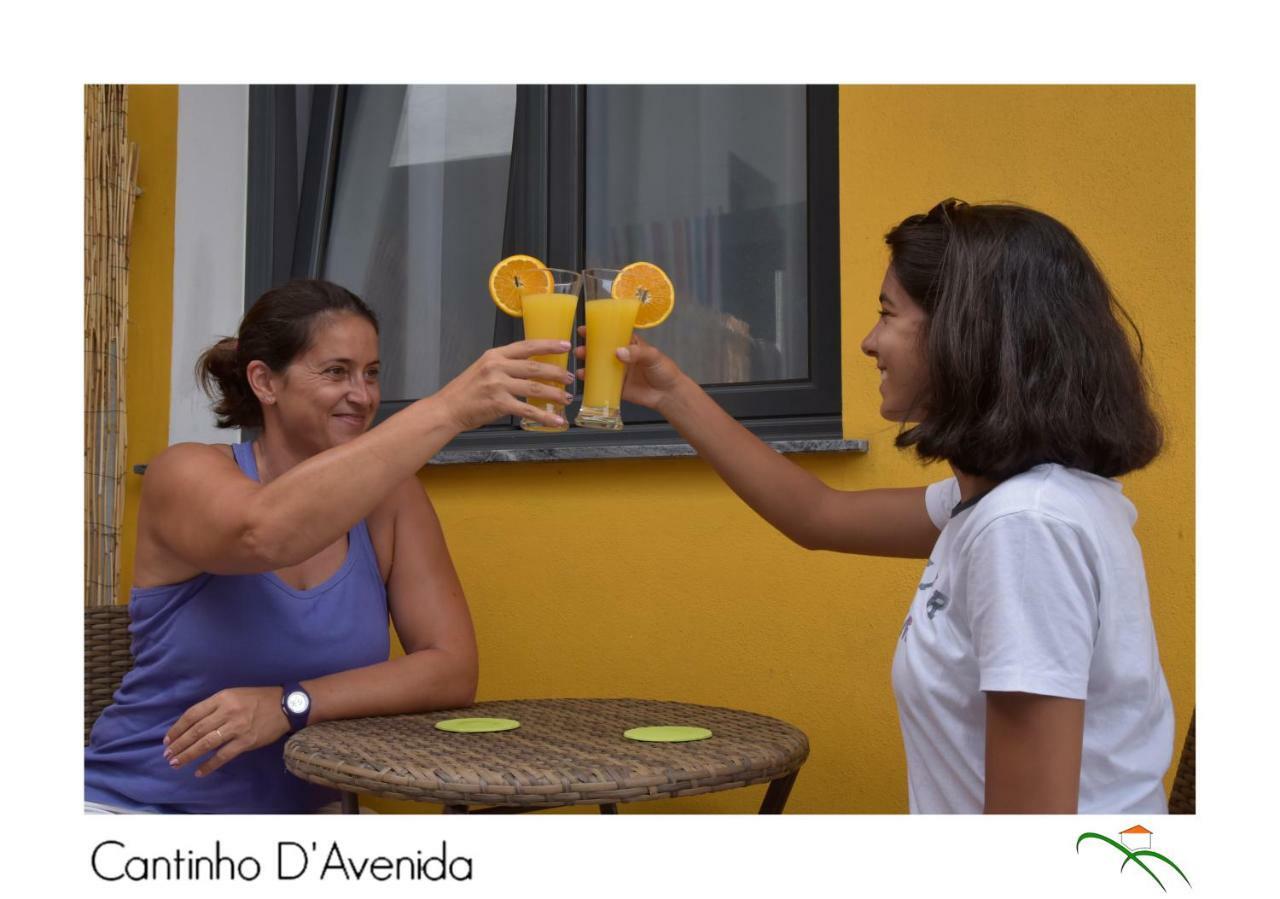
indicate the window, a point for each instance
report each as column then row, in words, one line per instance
column 409, row 194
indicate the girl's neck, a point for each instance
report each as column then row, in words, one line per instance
column 972, row 485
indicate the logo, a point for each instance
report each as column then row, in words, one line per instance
column 1135, row 846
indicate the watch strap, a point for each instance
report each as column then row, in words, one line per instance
column 297, row 720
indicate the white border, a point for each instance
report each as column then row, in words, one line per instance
column 1227, row 52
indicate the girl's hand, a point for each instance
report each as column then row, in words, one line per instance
column 497, row 383
column 651, row 375
column 227, row 724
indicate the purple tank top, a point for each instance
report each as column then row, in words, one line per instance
column 192, row 639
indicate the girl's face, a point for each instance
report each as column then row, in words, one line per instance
column 896, row 343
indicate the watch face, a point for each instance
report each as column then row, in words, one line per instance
column 297, row 702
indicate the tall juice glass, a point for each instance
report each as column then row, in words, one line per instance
column 549, row 311
column 609, row 325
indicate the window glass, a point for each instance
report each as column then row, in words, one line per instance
column 710, row 184
column 418, row 210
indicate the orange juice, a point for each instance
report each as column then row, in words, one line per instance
column 609, row 324
column 549, row 316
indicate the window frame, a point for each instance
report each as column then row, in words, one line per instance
column 286, row 237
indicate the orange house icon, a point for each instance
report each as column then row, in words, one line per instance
column 1134, row 837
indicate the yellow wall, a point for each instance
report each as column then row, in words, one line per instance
column 664, row 584
column 153, row 125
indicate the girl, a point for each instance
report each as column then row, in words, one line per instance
column 1026, row 671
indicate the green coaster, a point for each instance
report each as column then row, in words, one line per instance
column 667, row 734
column 476, row 725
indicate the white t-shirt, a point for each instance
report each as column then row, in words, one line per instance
column 1038, row 587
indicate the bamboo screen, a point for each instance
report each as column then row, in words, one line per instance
column 111, row 174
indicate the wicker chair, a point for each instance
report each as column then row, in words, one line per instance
column 106, row 658
column 1182, row 798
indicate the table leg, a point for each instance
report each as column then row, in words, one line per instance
column 350, row 803
column 775, row 798
column 608, row 808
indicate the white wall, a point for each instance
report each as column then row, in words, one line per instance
column 209, row 239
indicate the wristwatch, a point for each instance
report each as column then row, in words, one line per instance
column 296, row 704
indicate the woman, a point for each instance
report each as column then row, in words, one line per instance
column 1026, row 671
column 265, row 571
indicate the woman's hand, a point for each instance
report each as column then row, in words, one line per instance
column 651, row 375
column 227, row 723
column 497, row 383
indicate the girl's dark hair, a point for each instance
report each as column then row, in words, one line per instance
column 1026, row 357
column 276, row 329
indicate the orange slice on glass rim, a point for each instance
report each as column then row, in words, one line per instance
column 514, row 277
column 649, row 284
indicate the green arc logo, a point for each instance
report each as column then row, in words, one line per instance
column 1133, row 856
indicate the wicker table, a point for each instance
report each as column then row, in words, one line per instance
column 565, row 752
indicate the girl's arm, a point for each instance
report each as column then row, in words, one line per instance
column 887, row 522
column 1034, row 745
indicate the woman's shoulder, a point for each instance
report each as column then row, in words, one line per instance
column 182, row 459
column 192, row 451
column 180, row 463
column 406, row 497
column 394, row 509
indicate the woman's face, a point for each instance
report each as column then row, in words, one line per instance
column 896, row 343
column 330, row 392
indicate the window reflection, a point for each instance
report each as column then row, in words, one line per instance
column 419, row 204
column 710, row 184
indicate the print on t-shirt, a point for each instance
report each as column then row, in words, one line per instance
column 926, row 585
column 937, row 602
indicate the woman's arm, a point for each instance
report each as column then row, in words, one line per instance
column 200, row 514
column 1034, row 745
column 886, row 522
column 440, row 665
column 438, row 670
